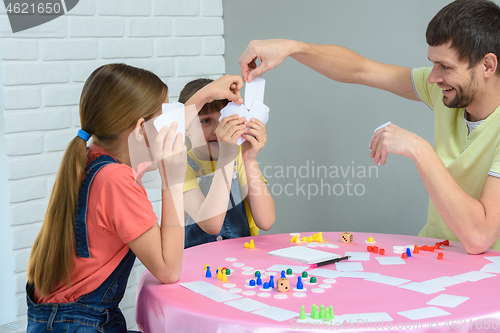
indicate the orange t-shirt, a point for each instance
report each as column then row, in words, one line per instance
column 118, row 212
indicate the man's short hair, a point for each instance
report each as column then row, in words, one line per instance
column 472, row 26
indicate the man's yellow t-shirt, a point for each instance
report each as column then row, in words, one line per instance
column 469, row 157
column 208, row 167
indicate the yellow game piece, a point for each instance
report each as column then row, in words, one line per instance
column 304, row 239
column 316, row 237
column 294, row 238
column 309, row 239
column 248, row 246
column 206, row 266
column 252, row 244
column 297, row 240
column 224, row 276
column 320, row 236
column 370, row 240
column 219, row 273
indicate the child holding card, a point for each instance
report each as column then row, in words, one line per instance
column 225, row 195
column 99, row 217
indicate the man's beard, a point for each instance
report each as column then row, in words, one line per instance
column 463, row 98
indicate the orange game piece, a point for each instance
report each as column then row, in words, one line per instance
column 423, row 248
column 415, row 249
column 431, row 248
column 440, row 255
column 382, row 251
column 446, row 242
column 404, row 255
column 369, row 248
column 438, row 245
column 375, row 249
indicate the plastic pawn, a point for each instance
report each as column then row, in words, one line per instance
column 300, row 285
column 321, row 237
column 259, row 281
column 331, row 312
column 208, row 274
column 322, row 312
column 415, row 249
column 224, row 276
column 408, row 252
column 271, row 281
column 219, row 273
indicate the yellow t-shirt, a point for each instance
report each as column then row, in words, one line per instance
column 469, row 157
column 208, row 167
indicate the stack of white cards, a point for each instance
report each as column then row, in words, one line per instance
column 172, row 112
column 253, row 107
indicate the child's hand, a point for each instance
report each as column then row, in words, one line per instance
column 170, row 153
column 226, row 87
column 256, row 137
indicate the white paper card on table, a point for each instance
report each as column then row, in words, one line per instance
column 172, row 112
column 421, row 288
column 449, row 301
column 277, row 314
column 221, row 295
column 360, row 275
column 474, row 276
column 390, row 260
column 443, row 281
column 390, row 280
column 358, row 256
column 247, row 304
column 371, row 317
column 199, row 286
column 423, row 313
column 348, row 266
column 326, row 273
column 279, row 268
column 491, row 268
column 303, row 254
column 495, row 259
column 254, row 91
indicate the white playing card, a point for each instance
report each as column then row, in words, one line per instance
column 172, row 112
column 221, row 295
column 247, row 304
column 258, row 110
column 423, row 313
column 199, row 286
column 421, row 288
column 450, row 301
column 277, row 314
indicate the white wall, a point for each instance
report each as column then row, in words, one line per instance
column 44, row 69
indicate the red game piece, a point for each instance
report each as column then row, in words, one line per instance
column 423, row 248
column 446, row 242
column 404, row 255
column 369, row 248
column 438, row 245
column 375, row 249
column 382, row 251
column 431, row 248
column 440, row 255
column 415, row 249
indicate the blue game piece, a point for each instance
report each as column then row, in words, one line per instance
column 266, row 285
column 208, row 274
column 283, row 276
column 300, row 285
column 259, row 281
column 271, row 281
column 408, row 252
column 252, row 283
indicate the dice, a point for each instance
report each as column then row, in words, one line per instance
column 283, row 284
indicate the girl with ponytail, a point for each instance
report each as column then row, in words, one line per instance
column 99, row 217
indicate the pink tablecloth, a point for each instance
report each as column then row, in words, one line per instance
column 174, row 308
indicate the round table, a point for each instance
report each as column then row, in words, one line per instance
column 362, row 303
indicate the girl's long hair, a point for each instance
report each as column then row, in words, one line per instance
column 114, row 98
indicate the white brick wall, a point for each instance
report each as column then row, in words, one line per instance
column 42, row 73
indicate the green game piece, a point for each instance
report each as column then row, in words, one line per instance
column 257, row 273
column 312, row 280
column 228, row 271
column 327, row 316
column 302, row 313
column 314, row 312
column 304, row 274
column 331, row 312
column 289, row 271
column 322, row 312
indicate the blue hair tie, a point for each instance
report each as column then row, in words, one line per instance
column 84, row 135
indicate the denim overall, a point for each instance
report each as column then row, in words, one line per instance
column 235, row 222
column 94, row 312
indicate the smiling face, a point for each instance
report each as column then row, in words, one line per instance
column 455, row 78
